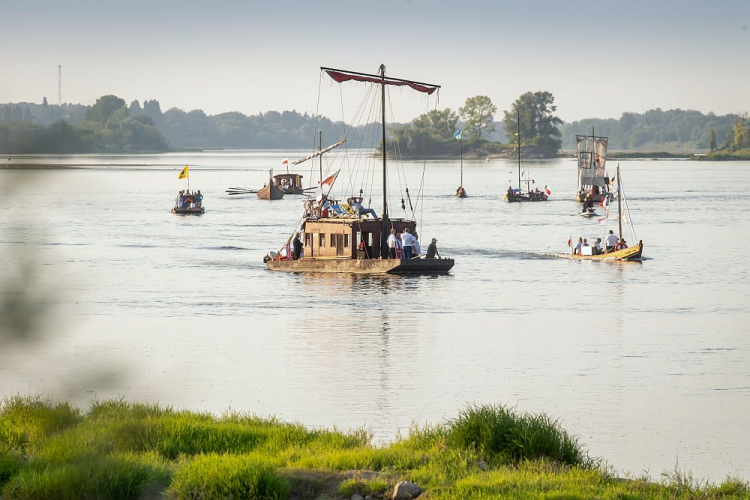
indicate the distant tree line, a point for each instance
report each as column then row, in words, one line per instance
column 655, row 130
column 107, row 126
column 112, row 126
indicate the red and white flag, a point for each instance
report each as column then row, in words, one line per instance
column 285, row 162
column 549, row 192
column 603, row 220
column 605, row 202
column 570, row 240
column 329, row 180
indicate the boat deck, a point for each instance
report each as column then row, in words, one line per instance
column 363, row 266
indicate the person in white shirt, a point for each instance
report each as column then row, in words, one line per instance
column 598, row 247
column 577, row 249
column 392, row 244
column 406, row 243
column 611, row 241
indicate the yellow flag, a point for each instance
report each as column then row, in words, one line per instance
column 184, row 173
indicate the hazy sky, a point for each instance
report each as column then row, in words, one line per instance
column 598, row 58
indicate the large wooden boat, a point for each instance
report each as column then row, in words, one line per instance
column 333, row 239
column 271, row 191
column 517, row 195
column 621, row 251
column 593, row 183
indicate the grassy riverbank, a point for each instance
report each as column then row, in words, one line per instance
column 121, row 450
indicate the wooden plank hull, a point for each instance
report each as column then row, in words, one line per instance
column 363, row 266
column 270, row 192
column 632, row 253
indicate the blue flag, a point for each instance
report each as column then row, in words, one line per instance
column 458, row 133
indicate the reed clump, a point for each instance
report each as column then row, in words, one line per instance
column 124, row 450
column 504, row 435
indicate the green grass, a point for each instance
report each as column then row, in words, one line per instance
column 122, row 450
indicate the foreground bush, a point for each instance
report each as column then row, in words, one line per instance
column 503, row 434
column 218, row 477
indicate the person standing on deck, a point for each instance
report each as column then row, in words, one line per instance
column 415, row 245
column 297, row 247
column 392, row 244
column 432, row 250
column 406, row 242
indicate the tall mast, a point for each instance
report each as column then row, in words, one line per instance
column 619, row 201
column 518, row 140
column 593, row 151
column 384, row 232
column 385, row 187
column 461, row 142
column 320, row 148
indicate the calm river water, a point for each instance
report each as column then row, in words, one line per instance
column 648, row 363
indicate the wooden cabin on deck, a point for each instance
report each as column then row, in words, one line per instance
column 344, row 238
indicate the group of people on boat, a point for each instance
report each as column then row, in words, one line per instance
column 323, row 208
column 405, row 245
column 461, row 192
column 611, row 244
column 186, row 199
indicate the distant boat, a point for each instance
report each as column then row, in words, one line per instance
column 620, row 252
column 593, row 182
column 188, row 203
column 337, row 238
column 271, row 191
column 461, row 192
column 517, row 195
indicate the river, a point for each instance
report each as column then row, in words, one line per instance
column 647, row 363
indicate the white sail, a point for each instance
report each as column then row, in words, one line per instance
column 592, row 159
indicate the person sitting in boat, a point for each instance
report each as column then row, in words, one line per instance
column 510, row 191
column 356, row 206
column 577, row 249
column 611, row 241
column 432, row 250
column 198, row 199
column 461, row 192
column 597, row 250
column 621, row 245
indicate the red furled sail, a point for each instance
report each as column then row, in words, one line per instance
column 345, row 76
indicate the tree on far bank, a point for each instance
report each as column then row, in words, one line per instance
column 538, row 123
column 438, row 123
column 104, row 107
column 478, row 113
